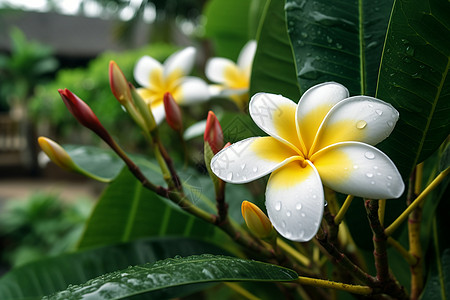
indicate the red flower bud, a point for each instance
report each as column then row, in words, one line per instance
column 119, row 84
column 83, row 113
column 213, row 133
column 173, row 112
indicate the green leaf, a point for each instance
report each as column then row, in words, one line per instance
column 273, row 68
column 101, row 163
column 175, row 272
column 438, row 283
column 445, row 159
column 338, row 41
column 414, row 78
column 227, row 26
column 48, row 276
column 127, row 211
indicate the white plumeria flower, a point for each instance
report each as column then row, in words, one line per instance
column 233, row 79
column 156, row 79
column 326, row 139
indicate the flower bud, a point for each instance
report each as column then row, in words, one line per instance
column 213, row 133
column 57, row 154
column 173, row 112
column 119, row 84
column 258, row 223
column 143, row 109
column 83, row 113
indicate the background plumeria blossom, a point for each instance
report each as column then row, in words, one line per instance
column 326, row 139
column 233, row 79
column 156, row 79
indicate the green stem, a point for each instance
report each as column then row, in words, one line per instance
column 391, row 228
column 340, row 215
column 351, row 288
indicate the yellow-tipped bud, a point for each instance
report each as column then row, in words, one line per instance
column 119, row 84
column 57, row 154
column 258, row 223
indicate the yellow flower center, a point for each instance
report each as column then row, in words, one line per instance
column 159, row 85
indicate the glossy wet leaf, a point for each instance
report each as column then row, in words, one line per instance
column 102, row 163
column 126, row 211
column 338, row 41
column 414, row 78
column 175, row 272
column 273, row 68
column 438, row 285
column 51, row 275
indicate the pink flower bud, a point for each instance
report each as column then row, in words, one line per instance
column 213, row 133
column 119, row 84
column 173, row 112
column 258, row 223
column 83, row 113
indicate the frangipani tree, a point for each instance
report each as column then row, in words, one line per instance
column 393, row 59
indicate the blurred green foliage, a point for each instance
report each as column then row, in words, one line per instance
column 92, row 85
column 30, row 63
column 40, row 226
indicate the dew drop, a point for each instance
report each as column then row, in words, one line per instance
column 361, row 124
column 370, row 175
column 288, row 234
column 389, row 177
column 298, row 206
column 379, row 112
column 283, row 224
column 388, row 184
column 378, row 174
column 325, row 203
column 390, row 123
column 369, row 155
column 355, row 167
column 314, row 196
column 372, row 182
column 230, row 176
column 303, row 214
column 255, row 169
column 370, row 105
column 278, row 206
column 242, row 166
column 288, row 213
column 375, row 167
column 339, row 46
column 302, row 233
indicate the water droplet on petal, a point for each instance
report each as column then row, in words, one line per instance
column 355, row 167
column 325, row 203
column 361, row 124
column 389, row 177
column 372, row 182
column 388, row 184
column 288, row 213
column 370, row 175
column 242, row 166
column 375, row 167
column 283, row 224
column 255, row 169
column 390, row 123
column 369, row 155
column 230, row 176
column 303, row 214
column 314, row 196
column 298, row 206
column 278, row 206
column 379, row 112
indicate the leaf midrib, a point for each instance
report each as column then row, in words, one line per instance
column 362, row 66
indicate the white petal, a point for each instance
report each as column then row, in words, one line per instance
column 314, row 106
column 246, row 56
column 195, row 130
column 158, row 111
column 358, row 169
column 143, row 69
column 360, row 118
column 250, row 159
column 216, row 67
column 295, row 201
column 275, row 115
column 181, row 61
column 192, row 90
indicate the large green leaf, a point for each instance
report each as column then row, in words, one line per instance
column 48, row 276
column 338, row 41
column 175, row 272
column 438, row 283
column 273, row 68
column 227, row 26
column 414, row 78
column 126, row 211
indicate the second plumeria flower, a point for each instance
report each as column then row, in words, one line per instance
column 156, row 79
column 233, row 80
column 326, row 139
